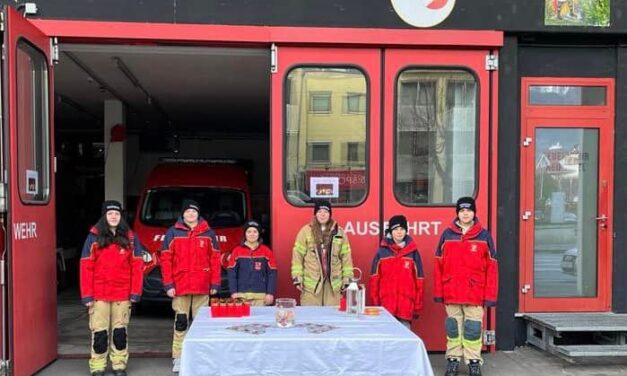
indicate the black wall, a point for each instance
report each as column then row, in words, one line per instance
column 550, row 56
column 566, row 61
column 508, row 195
column 507, row 15
column 619, row 283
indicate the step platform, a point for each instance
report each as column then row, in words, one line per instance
column 576, row 336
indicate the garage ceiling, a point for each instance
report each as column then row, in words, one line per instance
column 193, row 90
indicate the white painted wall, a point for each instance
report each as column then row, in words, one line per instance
column 115, row 152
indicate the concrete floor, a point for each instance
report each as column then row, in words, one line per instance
column 524, row 361
column 150, row 331
column 150, row 339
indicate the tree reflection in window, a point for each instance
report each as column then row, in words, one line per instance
column 435, row 136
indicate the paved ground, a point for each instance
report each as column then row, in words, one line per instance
column 151, row 338
column 524, row 361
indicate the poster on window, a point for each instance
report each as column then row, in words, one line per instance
column 324, row 187
column 32, row 182
column 577, row 13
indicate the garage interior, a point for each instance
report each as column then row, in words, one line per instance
column 191, row 102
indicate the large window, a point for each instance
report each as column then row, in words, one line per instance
column 220, row 207
column 33, row 126
column 436, row 127
column 325, row 156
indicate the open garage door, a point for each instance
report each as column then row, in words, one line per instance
column 29, row 296
column 211, row 112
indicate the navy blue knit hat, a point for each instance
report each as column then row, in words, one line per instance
column 252, row 223
column 465, row 203
column 190, row 204
column 322, row 204
column 111, row 205
column 397, row 221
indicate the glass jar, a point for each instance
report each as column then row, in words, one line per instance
column 285, row 312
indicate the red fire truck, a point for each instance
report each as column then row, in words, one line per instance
column 220, row 187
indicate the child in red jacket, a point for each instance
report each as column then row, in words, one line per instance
column 466, row 279
column 111, row 279
column 397, row 281
column 190, row 267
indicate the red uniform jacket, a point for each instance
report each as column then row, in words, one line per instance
column 112, row 273
column 397, row 281
column 466, row 270
column 190, row 259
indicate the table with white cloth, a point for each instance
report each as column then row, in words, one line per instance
column 324, row 341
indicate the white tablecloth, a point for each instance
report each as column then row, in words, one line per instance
column 358, row 346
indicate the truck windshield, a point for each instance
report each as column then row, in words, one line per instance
column 220, row 207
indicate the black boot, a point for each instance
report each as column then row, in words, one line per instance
column 119, row 372
column 98, row 373
column 474, row 368
column 452, row 367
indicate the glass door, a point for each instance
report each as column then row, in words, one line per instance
column 566, row 190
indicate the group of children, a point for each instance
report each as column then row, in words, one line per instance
column 465, row 276
column 465, row 279
column 111, row 274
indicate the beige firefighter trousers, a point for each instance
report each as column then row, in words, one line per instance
column 182, row 305
column 464, row 325
column 108, row 322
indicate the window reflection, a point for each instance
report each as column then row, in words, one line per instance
column 436, row 125
column 32, row 124
column 567, row 95
column 325, row 155
column 565, row 231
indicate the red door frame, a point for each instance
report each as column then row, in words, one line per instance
column 474, row 63
column 597, row 117
column 288, row 219
column 32, row 296
column 120, row 32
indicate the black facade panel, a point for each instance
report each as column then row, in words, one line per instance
column 353, row 13
column 619, row 280
column 553, row 61
column 481, row 14
column 162, row 11
column 508, row 195
column 506, row 15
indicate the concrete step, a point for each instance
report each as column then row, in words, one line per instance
column 580, row 322
column 578, row 351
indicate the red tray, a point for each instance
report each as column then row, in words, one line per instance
column 230, row 310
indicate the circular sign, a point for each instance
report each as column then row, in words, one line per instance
column 423, row 13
